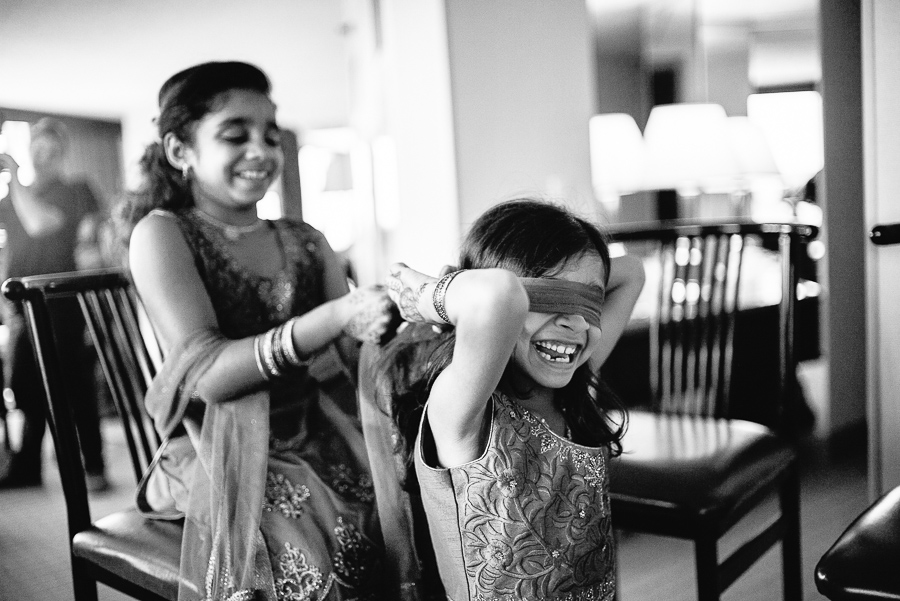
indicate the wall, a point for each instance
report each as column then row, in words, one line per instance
column 881, row 88
column 107, row 58
column 845, row 233
column 622, row 86
column 419, row 121
column 727, row 67
column 522, row 82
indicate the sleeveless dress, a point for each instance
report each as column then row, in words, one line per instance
column 318, row 521
column 529, row 520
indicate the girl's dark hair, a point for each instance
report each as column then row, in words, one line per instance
column 531, row 238
column 184, row 99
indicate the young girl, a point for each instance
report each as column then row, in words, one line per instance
column 512, row 450
column 260, row 458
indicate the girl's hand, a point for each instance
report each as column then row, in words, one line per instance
column 412, row 292
column 369, row 313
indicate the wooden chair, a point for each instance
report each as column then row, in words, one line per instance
column 689, row 470
column 135, row 555
column 861, row 565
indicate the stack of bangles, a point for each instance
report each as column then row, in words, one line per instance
column 438, row 298
column 276, row 355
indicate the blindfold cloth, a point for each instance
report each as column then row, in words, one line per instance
column 562, row 296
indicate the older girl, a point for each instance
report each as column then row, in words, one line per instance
column 260, row 458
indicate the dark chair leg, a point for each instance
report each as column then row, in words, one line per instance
column 707, row 558
column 791, row 560
column 84, row 585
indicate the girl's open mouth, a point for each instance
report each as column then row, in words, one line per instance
column 556, row 352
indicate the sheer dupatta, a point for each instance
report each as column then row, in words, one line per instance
column 223, row 555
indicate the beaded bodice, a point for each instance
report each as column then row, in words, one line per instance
column 533, row 515
column 247, row 303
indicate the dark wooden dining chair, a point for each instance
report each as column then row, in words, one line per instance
column 862, row 564
column 690, row 470
column 124, row 550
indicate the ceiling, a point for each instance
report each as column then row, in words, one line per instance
column 108, row 58
column 632, row 26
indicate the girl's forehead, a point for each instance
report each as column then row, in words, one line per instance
column 587, row 269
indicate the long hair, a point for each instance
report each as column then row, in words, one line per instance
column 530, row 238
column 184, row 99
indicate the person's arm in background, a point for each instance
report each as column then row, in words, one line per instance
column 88, row 254
column 37, row 217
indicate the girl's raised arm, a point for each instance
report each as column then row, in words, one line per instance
column 487, row 307
column 626, row 280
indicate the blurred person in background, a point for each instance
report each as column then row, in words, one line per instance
column 43, row 222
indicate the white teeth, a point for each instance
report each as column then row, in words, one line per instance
column 566, row 349
column 566, row 359
column 258, row 175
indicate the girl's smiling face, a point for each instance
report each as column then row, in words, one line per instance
column 552, row 346
column 236, row 152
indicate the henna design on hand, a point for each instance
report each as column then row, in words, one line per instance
column 409, row 303
column 370, row 314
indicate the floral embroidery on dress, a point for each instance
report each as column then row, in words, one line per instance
column 602, row 592
column 349, row 484
column 353, row 563
column 298, row 579
column 284, row 496
column 535, row 522
column 594, row 464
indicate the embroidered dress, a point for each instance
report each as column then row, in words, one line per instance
column 529, row 520
column 308, row 529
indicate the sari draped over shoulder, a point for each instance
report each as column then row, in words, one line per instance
column 279, row 502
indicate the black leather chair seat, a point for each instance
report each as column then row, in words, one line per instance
column 697, row 465
column 864, row 563
column 143, row 551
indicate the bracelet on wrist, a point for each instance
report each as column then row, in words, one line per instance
column 291, row 355
column 439, row 297
column 268, row 353
column 257, row 353
column 275, row 353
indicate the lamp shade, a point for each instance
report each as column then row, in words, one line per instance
column 618, row 154
column 340, row 173
column 750, row 147
column 688, row 149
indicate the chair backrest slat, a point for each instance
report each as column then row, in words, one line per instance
column 125, row 302
column 131, row 352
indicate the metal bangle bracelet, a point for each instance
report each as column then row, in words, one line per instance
column 438, row 298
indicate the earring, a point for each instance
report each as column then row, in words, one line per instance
column 185, row 171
